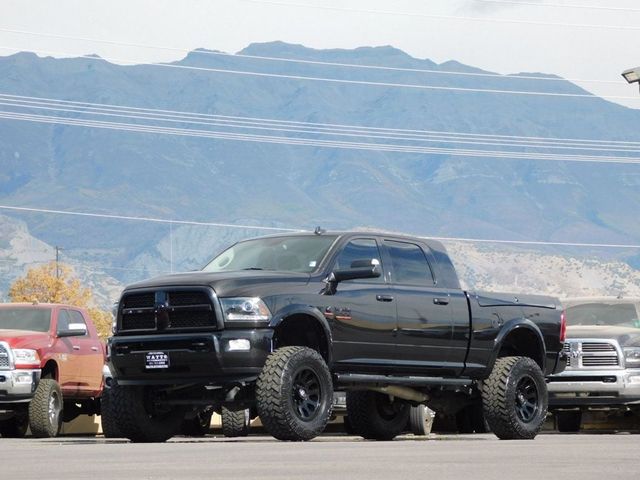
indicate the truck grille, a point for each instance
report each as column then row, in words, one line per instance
column 167, row 310
column 591, row 355
column 4, row 358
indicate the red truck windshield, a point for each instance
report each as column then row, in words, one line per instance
column 34, row 320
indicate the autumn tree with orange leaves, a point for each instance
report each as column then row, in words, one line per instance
column 51, row 283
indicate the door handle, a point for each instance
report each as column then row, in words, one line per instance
column 384, row 298
column 441, row 301
column 95, row 349
column 76, row 347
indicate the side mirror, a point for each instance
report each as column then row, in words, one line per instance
column 372, row 271
column 74, row 330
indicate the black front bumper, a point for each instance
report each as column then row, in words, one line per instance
column 194, row 358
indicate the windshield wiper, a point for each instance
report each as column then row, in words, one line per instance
column 253, row 268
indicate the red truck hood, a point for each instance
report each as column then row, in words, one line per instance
column 24, row 338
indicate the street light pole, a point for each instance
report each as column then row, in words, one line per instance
column 632, row 75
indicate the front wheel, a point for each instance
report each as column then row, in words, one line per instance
column 514, row 398
column 569, row 421
column 15, row 427
column 139, row 416
column 45, row 409
column 294, row 394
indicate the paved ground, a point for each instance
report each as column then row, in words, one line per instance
column 468, row 457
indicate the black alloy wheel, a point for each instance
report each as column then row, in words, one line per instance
column 306, row 394
column 527, row 399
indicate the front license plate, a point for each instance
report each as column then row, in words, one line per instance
column 157, row 360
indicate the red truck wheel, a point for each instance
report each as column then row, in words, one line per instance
column 45, row 409
column 375, row 417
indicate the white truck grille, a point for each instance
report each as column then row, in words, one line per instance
column 585, row 354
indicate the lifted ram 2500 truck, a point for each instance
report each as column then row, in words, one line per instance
column 276, row 323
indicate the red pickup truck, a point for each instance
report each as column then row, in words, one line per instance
column 51, row 363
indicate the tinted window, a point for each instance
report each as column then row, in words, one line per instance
column 35, row 320
column 620, row 314
column 302, row 253
column 410, row 265
column 77, row 318
column 63, row 320
column 360, row 249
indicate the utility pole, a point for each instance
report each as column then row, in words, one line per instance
column 58, row 250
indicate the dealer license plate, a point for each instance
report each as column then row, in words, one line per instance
column 157, row 360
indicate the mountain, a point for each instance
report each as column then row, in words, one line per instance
column 173, row 177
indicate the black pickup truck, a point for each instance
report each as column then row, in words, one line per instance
column 275, row 324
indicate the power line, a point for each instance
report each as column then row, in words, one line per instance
column 559, row 5
column 179, row 114
column 445, row 17
column 345, row 81
column 120, row 112
column 308, row 62
column 186, row 222
column 319, row 143
column 144, row 219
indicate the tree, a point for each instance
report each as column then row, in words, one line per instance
column 51, row 283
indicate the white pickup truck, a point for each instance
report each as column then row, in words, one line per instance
column 603, row 360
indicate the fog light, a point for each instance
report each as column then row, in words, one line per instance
column 239, row 345
column 22, row 377
column 633, row 379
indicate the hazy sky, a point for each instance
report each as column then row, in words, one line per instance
column 475, row 32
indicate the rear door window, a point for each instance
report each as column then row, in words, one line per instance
column 410, row 264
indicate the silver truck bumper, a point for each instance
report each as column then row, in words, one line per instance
column 18, row 385
column 597, row 387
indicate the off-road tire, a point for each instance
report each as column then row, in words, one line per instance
column 136, row 419
column 107, row 416
column 235, row 423
column 514, row 398
column 294, row 394
column 569, row 421
column 45, row 409
column 420, row 420
column 15, row 427
column 375, row 416
column 197, row 426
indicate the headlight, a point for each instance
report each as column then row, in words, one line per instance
column 25, row 357
column 632, row 356
column 245, row 309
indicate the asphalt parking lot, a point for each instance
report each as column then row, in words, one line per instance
column 590, row 456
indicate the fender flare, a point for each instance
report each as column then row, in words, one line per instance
column 310, row 311
column 512, row 326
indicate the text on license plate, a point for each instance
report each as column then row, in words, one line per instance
column 157, row 360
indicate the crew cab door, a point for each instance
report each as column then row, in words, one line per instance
column 66, row 352
column 362, row 312
column 425, row 321
column 90, row 357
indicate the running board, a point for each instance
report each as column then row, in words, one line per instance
column 346, row 379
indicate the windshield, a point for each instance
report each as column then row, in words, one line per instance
column 618, row 314
column 286, row 254
column 34, row 319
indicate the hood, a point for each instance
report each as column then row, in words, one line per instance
column 24, row 338
column 626, row 336
column 240, row 283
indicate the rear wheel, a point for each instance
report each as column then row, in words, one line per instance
column 107, row 416
column 294, row 394
column 569, row 421
column 514, row 398
column 235, row 423
column 139, row 416
column 376, row 416
column 15, row 427
column 45, row 409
